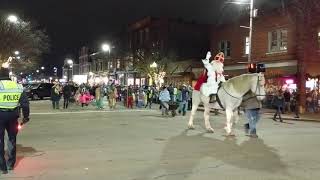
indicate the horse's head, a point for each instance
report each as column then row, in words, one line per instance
column 258, row 86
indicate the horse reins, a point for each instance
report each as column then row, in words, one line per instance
column 239, row 98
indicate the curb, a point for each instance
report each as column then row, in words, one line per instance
column 299, row 119
column 268, row 114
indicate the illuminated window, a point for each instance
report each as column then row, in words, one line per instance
column 225, row 47
column 278, row 40
column 246, row 50
column 319, row 38
column 118, row 64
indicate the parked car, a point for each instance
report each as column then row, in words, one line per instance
column 38, row 91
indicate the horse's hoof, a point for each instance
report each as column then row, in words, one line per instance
column 210, row 130
column 229, row 135
column 191, row 127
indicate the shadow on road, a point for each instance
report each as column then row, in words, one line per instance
column 183, row 153
column 24, row 152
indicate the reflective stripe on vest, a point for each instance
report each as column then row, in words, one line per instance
column 10, row 93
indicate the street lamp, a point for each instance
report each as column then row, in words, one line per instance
column 154, row 65
column 16, row 52
column 69, row 61
column 13, row 19
column 105, row 48
column 250, row 33
column 42, row 68
column 70, row 65
column 252, row 14
column 37, row 71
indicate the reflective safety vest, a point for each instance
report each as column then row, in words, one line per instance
column 10, row 93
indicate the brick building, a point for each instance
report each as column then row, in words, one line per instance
column 280, row 40
column 84, row 63
column 186, row 40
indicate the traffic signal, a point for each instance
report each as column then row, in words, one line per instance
column 252, row 68
column 256, row 68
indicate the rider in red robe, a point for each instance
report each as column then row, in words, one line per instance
column 202, row 79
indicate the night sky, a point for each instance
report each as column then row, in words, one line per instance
column 74, row 23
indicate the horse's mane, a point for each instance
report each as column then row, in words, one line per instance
column 239, row 81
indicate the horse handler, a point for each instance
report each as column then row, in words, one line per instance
column 252, row 108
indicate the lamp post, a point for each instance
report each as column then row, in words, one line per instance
column 13, row 19
column 250, row 33
column 153, row 75
column 106, row 47
column 69, row 68
column 252, row 15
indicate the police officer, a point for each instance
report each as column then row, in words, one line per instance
column 12, row 98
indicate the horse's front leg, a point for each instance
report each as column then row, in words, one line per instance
column 228, row 127
column 192, row 114
column 195, row 104
column 207, row 115
column 207, row 119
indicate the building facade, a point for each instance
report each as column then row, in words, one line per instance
column 280, row 40
column 184, row 40
column 84, row 61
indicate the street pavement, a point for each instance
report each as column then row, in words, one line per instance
column 121, row 144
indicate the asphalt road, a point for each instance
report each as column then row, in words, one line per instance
column 142, row 145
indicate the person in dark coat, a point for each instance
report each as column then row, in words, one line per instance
column 67, row 93
column 278, row 103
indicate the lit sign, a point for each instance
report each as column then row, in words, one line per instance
column 289, row 81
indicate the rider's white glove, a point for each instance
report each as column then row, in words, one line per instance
column 208, row 56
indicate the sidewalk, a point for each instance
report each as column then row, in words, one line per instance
column 311, row 117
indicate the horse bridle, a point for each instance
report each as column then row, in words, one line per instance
column 258, row 84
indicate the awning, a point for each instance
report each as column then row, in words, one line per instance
column 273, row 69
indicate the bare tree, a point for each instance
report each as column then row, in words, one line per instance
column 155, row 64
column 24, row 37
column 304, row 11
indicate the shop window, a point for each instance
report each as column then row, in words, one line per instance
column 225, row 47
column 246, row 46
column 118, row 64
column 278, row 40
column 319, row 38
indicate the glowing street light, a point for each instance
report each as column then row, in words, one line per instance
column 106, row 48
column 13, row 19
column 37, row 71
column 154, row 65
column 42, row 68
column 18, row 57
column 69, row 61
column 16, row 52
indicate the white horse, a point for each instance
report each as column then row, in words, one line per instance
column 230, row 95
